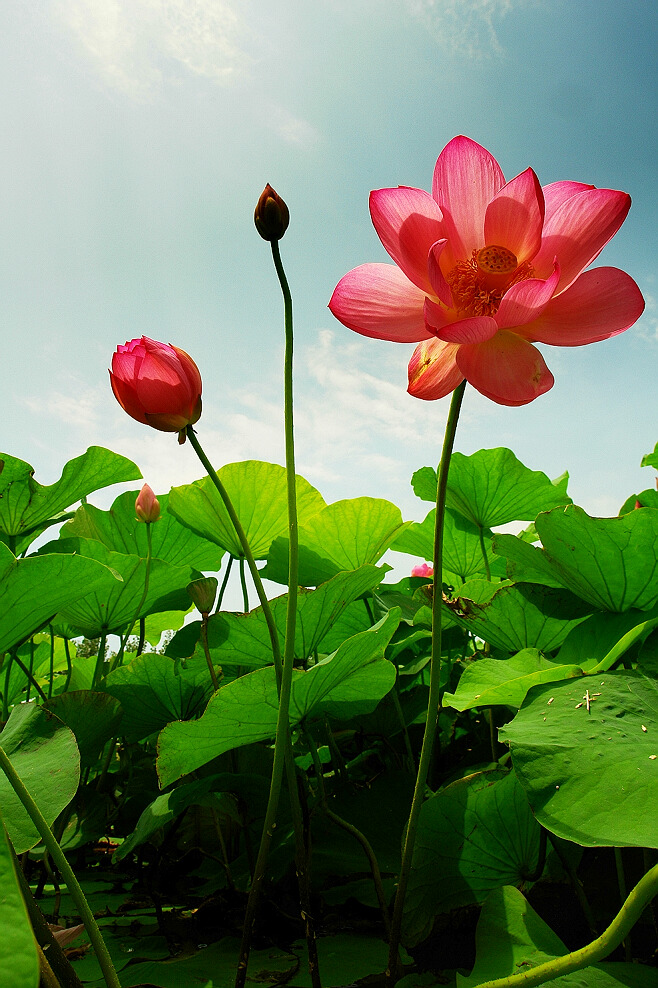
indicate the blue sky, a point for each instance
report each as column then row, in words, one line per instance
column 137, row 137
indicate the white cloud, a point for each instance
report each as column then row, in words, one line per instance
column 136, row 44
column 464, row 27
column 293, row 130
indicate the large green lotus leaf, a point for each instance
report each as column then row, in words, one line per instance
column 610, row 562
column 154, row 690
column 491, row 487
column 244, row 640
column 353, row 680
column 94, row 718
column 19, row 962
column 462, row 552
column 27, row 508
column 511, row 938
column 492, row 682
column 476, row 835
column 120, row 531
column 591, row 775
column 44, row 754
column 343, row 536
column 591, row 641
column 526, row 563
column 34, row 589
column 110, row 610
column 258, row 492
column 526, row 615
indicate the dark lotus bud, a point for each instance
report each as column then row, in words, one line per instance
column 203, row 593
column 271, row 215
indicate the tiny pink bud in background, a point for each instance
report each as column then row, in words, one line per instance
column 271, row 215
column 147, row 506
column 157, row 384
column 424, row 570
column 637, row 504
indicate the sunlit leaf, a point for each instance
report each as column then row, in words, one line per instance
column 588, row 760
column 492, row 682
column 258, row 492
column 352, row 680
column 120, row 531
column 34, row 589
column 26, row 507
column 343, row 536
column 492, row 487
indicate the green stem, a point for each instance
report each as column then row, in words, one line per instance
column 31, row 681
column 434, row 699
column 206, row 651
column 65, row 870
column 598, row 950
column 243, row 584
column 52, row 661
column 282, row 740
column 124, row 641
column 222, row 589
column 248, row 555
column 100, row 660
column 483, row 549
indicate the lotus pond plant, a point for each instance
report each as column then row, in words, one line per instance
column 447, row 778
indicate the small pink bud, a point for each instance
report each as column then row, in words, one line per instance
column 637, row 504
column 271, row 215
column 424, row 570
column 147, row 506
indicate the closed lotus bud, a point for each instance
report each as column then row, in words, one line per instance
column 271, row 215
column 423, row 570
column 157, row 384
column 147, row 506
column 203, row 593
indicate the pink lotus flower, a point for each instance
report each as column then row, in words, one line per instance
column 157, row 384
column 423, row 570
column 484, row 269
column 147, row 506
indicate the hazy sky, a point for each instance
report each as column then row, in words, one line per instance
column 137, row 136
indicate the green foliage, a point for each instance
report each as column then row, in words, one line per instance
column 527, row 621
column 28, row 508
column 44, row 754
column 19, row 963
column 258, row 493
column 587, row 755
column 502, row 847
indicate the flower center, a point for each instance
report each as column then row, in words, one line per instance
column 478, row 285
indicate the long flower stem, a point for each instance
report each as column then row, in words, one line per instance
column 282, row 747
column 58, row 858
column 246, row 549
column 645, row 890
column 432, row 720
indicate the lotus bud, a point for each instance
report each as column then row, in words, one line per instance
column 147, row 506
column 271, row 215
column 203, row 593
